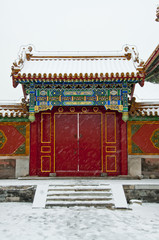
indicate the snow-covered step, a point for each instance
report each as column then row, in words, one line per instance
column 79, row 195
column 80, row 185
column 79, row 188
column 76, row 193
column 87, row 203
column 76, row 198
column 97, row 195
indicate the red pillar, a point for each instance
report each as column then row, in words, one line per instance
column 124, row 156
column 33, row 148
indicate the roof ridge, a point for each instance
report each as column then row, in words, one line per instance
column 154, row 54
column 36, row 58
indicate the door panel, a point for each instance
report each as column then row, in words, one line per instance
column 46, row 128
column 112, row 143
column 89, row 142
column 45, row 143
column 66, row 145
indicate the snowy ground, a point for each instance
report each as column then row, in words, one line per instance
column 20, row 221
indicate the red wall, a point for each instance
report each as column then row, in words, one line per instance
column 14, row 138
column 143, row 138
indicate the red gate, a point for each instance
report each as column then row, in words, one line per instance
column 78, row 143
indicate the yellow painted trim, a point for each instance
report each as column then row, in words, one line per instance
column 113, row 151
column 60, row 109
column 72, row 109
column 42, row 127
column 84, row 56
column 84, row 109
column 43, row 151
column 129, row 138
column 110, row 113
column 27, row 138
column 42, row 163
column 115, row 163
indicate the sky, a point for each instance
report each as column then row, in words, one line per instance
column 73, row 25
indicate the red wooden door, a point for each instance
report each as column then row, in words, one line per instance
column 77, row 144
column 66, row 145
column 89, row 142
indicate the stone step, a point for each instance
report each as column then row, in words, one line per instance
column 108, row 204
column 70, row 195
column 78, row 198
column 79, row 188
column 80, row 193
column 83, row 184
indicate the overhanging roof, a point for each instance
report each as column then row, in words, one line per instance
column 143, row 109
column 151, row 67
column 69, row 65
column 13, row 110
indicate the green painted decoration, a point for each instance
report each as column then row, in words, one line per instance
column 3, row 139
column 135, row 128
column 21, row 149
column 135, row 148
column 13, row 119
column 155, row 138
column 21, row 129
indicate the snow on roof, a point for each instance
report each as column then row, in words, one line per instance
column 148, row 93
column 62, row 65
column 12, row 110
column 30, row 62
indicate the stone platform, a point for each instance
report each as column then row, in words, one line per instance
column 15, row 190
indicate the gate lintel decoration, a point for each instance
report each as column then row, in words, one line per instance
column 115, row 98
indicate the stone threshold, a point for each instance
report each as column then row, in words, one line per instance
column 119, row 177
